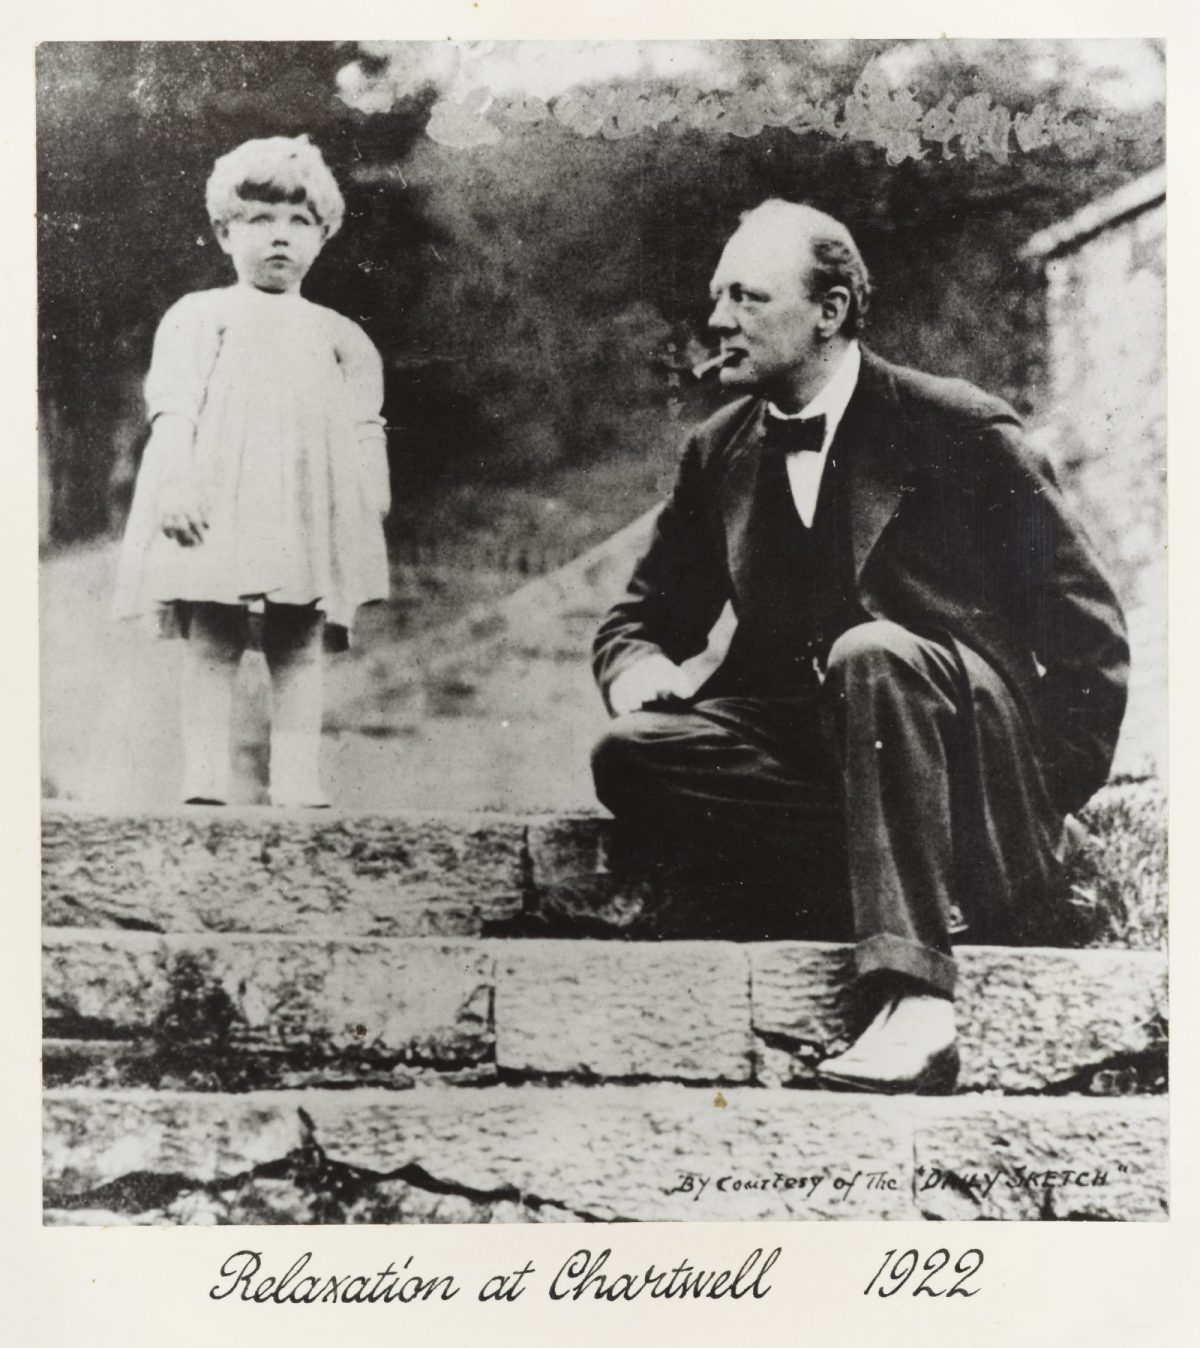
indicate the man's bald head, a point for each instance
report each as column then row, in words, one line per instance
column 824, row 245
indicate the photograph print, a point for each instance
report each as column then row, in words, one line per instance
column 602, row 631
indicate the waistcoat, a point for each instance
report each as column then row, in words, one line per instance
column 798, row 594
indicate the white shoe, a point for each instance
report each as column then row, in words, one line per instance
column 909, row 1048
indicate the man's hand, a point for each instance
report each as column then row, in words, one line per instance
column 183, row 514
column 654, row 679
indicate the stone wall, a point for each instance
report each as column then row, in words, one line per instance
column 1106, row 424
column 1106, row 305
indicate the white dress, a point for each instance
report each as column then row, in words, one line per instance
column 289, row 459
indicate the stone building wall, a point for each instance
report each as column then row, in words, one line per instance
column 1105, row 278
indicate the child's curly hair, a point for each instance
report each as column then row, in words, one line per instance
column 279, row 168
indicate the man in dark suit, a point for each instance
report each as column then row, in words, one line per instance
column 927, row 655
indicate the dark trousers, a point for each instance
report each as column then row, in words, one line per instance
column 913, row 755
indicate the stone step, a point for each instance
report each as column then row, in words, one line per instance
column 252, row 869
column 660, row 1152
column 323, row 874
column 243, row 1012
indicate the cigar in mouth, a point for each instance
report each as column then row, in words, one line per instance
column 706, row 367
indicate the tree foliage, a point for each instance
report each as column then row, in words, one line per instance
column 530, row 293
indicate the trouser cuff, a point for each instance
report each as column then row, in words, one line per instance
column 893, row 954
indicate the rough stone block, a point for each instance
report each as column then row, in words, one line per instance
column 1048, row 1020
column 226, row 1011
column 1104, row 1160
column 605, row 1009
column 579, row 882
column 268, row 870
column 91, row 1138
column 249, row 1011
column 569, row 1154
column 249, row 869
column 800, row 1006
column 641, row 1153
column 1029, row 1019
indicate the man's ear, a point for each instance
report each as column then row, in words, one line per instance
column 835, row 305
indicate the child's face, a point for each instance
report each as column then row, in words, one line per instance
column 272, row 244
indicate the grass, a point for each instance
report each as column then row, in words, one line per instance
column 1118, row 882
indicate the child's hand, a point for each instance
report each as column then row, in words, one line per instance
column 183, row 516
column 168, row 459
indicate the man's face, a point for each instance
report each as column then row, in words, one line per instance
column 761, row 309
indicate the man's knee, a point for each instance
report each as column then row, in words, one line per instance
column 872, row 644
column 618, row 758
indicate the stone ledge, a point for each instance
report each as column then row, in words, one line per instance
column 246, row 1012
column 680, row 1009
column 606, row 1153
column 246, row 869
column 1030, row 1019
column 239, row 1012
column 255, row 869
column 956, row 1150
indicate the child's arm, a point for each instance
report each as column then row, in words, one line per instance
column 169, row 456
column 363, row 371
column 185, row 347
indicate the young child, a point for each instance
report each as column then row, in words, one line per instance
column 264, row 485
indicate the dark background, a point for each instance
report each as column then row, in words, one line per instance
column 533, row 298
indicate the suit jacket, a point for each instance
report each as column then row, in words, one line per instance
column 958, row 530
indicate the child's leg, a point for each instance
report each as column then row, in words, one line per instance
column 216, row 641
column 292, row 644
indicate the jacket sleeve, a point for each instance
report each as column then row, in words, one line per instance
column 678, row 587
column 1074, row 620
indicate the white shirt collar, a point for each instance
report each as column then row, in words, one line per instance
column 834, row 396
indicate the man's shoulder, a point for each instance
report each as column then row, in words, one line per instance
column 947, row 414
column 926, row 397
column 717, row 430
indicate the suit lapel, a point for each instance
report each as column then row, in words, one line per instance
column 736, row 491
column 871, row 444
column 871, row 437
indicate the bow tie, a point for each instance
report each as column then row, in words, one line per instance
column 793, row 434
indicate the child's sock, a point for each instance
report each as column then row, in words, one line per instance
column 292, row 643
column 205, row 767
column 210, row 662
column 296, row 770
